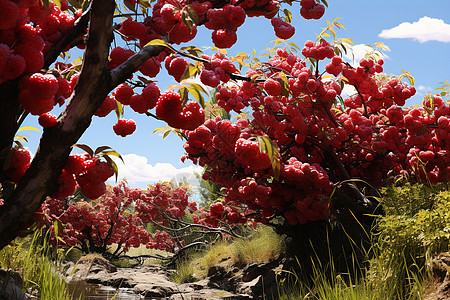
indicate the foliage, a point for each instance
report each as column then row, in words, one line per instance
column 409, row 235
column 208, row 191
column 118, row 217
column 413, row 230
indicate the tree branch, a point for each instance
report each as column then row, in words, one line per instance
column 78, row 28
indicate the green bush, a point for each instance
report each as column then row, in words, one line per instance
column 415, row 226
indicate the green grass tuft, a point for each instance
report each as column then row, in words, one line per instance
column 37, row 270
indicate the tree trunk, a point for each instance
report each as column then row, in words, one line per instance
column 93, row 86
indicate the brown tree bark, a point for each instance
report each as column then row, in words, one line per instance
column 54, row 147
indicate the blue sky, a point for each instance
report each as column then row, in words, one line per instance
column 416, row 31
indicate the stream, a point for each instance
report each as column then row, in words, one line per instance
column 90, row 291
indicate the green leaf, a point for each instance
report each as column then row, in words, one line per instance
column 294, row 45
column 184, row 95
column 101, row 149
column 332, row 32
column 114, row 153
column 192, row 50
column 86, row 4
column 156, row 42
column 19, row 142
column 130, row 6
column 57, row 3
column 288, row 16
column 28, row 128
column 46, row 3
column 409, row 76
column 113, row 165
column 189, row 16
column 195, row 90
column 189, row 71
column 119, row 109
column 86, row 148
column 143, row 79
column 75, row 3
column 266, row 145
column 57, row 227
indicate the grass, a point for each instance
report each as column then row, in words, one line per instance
column 183, row 273
column 414, row 229
column 262, row 246
column 35, row 268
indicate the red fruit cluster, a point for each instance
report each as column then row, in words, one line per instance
column 151, row 67
column 318, row 51
column 22, row 45
column 18, row 164
column 219, row 69
column 146, row 100
column 102, row 223
column 66, row 185
column 371, row 137
column 132, row 29
column 232, row 98
column 216, row 209
column 283, row 30
column 167, row 20
column 124, row 127
column 47, row 120
column 107, row 106
column 119, row 55
column 335, row 67
column 224, row 38
column 272, row 87
column 38, row 93
column 311, row 10
column 168, row 109
column 176, row 66
column 219, row 211
column 225, row 21
column 90, row 173
column 123, row 93
column 249, row 153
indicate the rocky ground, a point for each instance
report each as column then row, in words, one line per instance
column 152, row 281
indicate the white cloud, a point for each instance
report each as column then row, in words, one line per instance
column 356, row 52
column 424, row 30
column 423, row 89
column 138, row 172
column 348, row 90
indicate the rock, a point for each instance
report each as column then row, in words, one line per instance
column 200, row 290
column 249, row 282
column 87, row 266
column 153, row 291
column 260, row 280
column 11, row 286
column 440, row 269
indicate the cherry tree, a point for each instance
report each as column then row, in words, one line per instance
column 295, row 153
column 34, row 34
